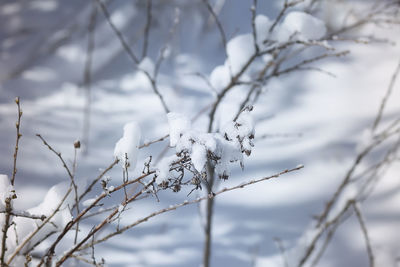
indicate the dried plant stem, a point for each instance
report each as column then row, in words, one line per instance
column 366, row 235
column 98, row 178
column 282, row 251
column 58, row 154
column 218, row 23
column 69, row 226
column 24, row 214
column 132, row 56
column 47, row 220
column 386, row 97
column 4, row 230
column 8, row 201
column 154, row 141
column 185, row 203
column 322, row 228
column 147, row 28
column 286, row 6
column 19, row 135
column 209, row 215
column 101, row 225
column 121, row 38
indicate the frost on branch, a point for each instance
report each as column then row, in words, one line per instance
column 194, row 149
column 126, row 149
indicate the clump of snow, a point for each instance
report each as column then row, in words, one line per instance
column 5, row 190
column 126, row 149
column 88, row 202
column 198, row 156
column 220, row 77
column 239, row 50
column 163, row 167
column 300, row 25
column 222, row 148
column 178, row 124
column 50, row 203
column 241, row 131
column 262, row 24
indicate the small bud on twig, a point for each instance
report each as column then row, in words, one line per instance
column 77, row 144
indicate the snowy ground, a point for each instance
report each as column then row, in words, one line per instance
column 41, row 60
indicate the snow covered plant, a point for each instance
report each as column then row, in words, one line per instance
column 211, row 132
column 50, row 233
column 201, row 152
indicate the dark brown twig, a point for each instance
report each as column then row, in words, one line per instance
column 19, row 135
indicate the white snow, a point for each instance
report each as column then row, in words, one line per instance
column 301, row 24
column 178, row 125
column 126, row 149
column 220, row 77
column 239, row 50
column 198, row 156
column 88, row 202
column 263, row 24
column 5, row 189
column 163, row 167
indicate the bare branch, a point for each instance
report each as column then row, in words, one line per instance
column 17, row 125
column 219, row 25
column 197, row 200
column 121, row 38
column 366, row 235
column 386, row 97
column 147, row 28
column 58, row 154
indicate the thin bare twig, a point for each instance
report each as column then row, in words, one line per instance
column 197, row 200
column 132, row 56
column 310, row 248
column 386, row 97
column 219, row 25
column 98, row 178
column 366, row 235
column 286, row 6
column 253, row 9
column 47, row 220
column 8, row 201
column 58, row 154
column 19, row 135
column 25, row 214
column 154, row 141
column 117, row 32
column 147, row 28
column 282, row 251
